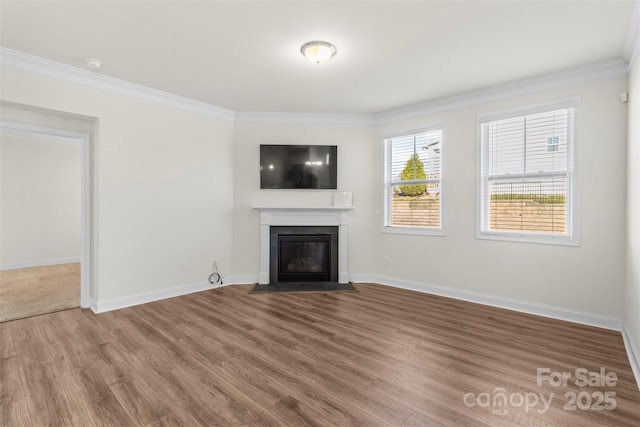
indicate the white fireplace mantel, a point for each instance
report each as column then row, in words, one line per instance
column 304, row 216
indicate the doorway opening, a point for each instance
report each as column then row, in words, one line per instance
column 33, row 264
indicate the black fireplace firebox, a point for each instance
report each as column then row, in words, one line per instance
column 303, row 254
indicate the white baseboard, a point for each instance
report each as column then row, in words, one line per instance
column 560, row 313
column 130, row 301
column 241, row 280
column 633, row 354
column 553, row 312
column 39, row 263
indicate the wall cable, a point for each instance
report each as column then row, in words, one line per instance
column 215, row 277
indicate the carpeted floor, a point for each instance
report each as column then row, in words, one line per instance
column 28, row 292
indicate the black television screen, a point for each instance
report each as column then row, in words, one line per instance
column 299, row 166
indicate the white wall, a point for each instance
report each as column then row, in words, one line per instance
column 588, row 278
column 40, row 193
column 174, row 186
column 632, row 302
column 163, row 191
column 355, row 163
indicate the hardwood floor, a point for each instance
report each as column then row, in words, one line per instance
column 378, row 357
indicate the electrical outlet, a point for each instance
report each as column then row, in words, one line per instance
column 216, row 262
column 182, row 267
column 387, row 261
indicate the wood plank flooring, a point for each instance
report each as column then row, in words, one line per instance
column 377, row 357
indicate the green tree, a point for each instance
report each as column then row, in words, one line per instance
column 414, row 169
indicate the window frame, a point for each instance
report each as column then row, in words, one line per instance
column 386, row 225
column 572, row 238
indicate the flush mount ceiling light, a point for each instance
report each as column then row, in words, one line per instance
column 318, row 51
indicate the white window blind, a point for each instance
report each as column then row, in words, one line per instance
column 527, row 175
column 413, row 182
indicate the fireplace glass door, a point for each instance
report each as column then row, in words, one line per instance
column 304, row 254
column 304, row 258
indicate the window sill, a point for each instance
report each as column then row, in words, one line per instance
column 531, row 239
column 414, row 231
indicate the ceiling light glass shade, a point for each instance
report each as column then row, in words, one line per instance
column 318, row 51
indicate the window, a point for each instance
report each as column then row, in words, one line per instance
column 527, row 177
column 413, row 182
column 553, row 143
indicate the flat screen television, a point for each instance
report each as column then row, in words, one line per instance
column 298, row 166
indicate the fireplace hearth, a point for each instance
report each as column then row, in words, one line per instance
column 303, row 254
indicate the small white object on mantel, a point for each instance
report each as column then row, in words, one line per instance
column 303, row 216
column 342, row 198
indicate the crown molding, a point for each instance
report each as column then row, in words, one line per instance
column 632, row 45
column 13, row 59
column 306, row 118
column 593, row 73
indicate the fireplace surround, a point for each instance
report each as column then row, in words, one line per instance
column 325, row 216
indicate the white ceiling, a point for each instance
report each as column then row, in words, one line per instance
column 244, row 55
